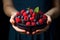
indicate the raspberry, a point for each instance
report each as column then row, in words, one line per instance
column 41, row 21
column 22, row 11
column 24, row 14
column 27, row 23
column 32, row 18
column 18, row 13
column 25, row 18
column 33, row 15
column 31, row 11
column 17, row 20
column 33, row 23
column 44, row 17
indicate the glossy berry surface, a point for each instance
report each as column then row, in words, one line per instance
column 17, row 20
column 29, row 20
column 41, row 21
column 27, row 23
column 22, row 11
column 33, row 23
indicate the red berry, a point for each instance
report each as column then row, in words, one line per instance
column 33, row 23
column 32, row 18
column 17, row 20
column 33, row 15
column 18, row 13
column 24, row 14
column 22, row 11
column 31, row 11
column 44, row 17
column 27, row 23
column 41, row 21
column 25, row 18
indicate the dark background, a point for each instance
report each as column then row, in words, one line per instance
column 4, row 25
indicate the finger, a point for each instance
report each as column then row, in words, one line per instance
column 33, row 32
column 38, row 31
column 42, row 30
column 27, row 32
column 12, row 21
column 18, row 29
column 49, row 20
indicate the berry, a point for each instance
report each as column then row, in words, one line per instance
column 41, row 21
column 22, row 11
column 33, row 23
column 44, row 17
column 27, row 23
column 25, row 18
column 32, row 18
column 17, row 20
column 33, row 15
column 31, row 11
column 18, row 13
column 24, row 14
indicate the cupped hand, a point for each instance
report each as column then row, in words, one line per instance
column 15, row 27
column 44, row 29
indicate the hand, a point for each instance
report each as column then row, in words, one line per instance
column 15, row 27
column 44, row 29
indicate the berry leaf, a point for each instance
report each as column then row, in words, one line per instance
column 36, row 10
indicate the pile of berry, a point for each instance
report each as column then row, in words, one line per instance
column 30, row 20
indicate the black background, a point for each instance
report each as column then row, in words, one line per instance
column 4, row 26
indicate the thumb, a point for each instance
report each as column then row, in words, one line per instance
column 12, row 20
column 49, row 20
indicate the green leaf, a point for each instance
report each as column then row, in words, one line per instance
column 36, row 10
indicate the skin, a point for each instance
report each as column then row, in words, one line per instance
column 10, row 11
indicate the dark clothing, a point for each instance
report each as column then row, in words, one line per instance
column 44, row 5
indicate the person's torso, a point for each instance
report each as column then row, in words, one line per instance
column 23, row 4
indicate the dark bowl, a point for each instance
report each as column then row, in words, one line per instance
column 30, row 28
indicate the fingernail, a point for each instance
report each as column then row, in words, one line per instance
column 27, row 32
column 23, row 30
column 33, row 33
column 37, row 30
